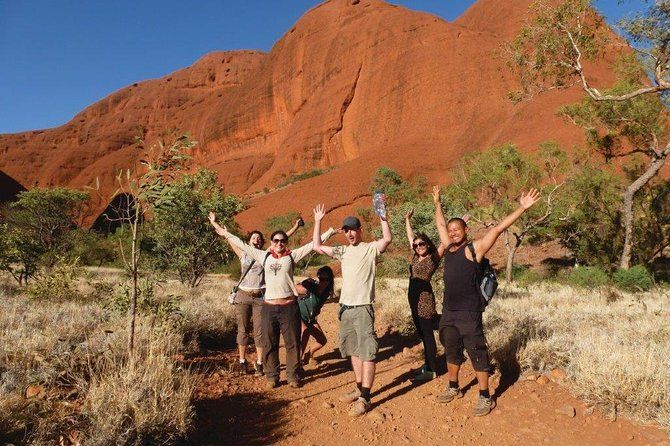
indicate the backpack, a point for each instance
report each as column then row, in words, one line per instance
column 486, row 277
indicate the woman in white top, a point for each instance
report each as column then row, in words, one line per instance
column 279, row 313
column 249, row 300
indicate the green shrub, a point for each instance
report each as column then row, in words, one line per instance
column 528, row 276
column 59, row 283
column 393, row 266
column 587, row 277
column 636, row 278
column 302, row 176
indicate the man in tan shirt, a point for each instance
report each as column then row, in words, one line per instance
column 357, row 331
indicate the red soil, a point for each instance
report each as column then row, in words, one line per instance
column 233, row 410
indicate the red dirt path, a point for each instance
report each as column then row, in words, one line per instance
column 234, row 410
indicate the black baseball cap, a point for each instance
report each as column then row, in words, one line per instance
column 351, row 222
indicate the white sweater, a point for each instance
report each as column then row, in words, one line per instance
column 279, row 283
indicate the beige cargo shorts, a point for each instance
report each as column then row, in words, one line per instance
column 357, row 332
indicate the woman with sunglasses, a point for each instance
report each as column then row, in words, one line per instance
column 249, row 301
column 313, row 293
column 424, row 262
column 279, row 313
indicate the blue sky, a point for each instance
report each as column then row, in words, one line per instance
column 59, row 57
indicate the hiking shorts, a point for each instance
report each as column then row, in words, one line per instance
column 357, row 332
column 461, row 330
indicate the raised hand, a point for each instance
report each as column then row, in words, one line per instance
column 319, row 212
column 409, row 214
column 212, row 217
column 436, row 194
column 530, row 198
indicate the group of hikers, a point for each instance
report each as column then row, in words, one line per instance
column 268, row 298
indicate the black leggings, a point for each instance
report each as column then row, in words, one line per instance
column 424, row 329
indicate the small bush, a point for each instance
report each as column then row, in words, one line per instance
column 530, row 276
column 393, row 266
column 636, row 278
column 58, row 284
column 587, row 277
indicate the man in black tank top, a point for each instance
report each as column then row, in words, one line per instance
column 461, row 323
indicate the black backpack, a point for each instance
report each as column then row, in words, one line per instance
column 486, row 277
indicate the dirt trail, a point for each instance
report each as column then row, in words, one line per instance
column 240, row 410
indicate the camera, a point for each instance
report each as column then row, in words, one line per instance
column 301, row 222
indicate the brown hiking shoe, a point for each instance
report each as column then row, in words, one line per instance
column 295, row 384
column 449, row 395
column 483, row 407
column 350, row 397
column 273, row 383
column 360, row 407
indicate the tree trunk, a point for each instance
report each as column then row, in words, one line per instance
column 134, row 258
column 511, row 252
column 656, row 164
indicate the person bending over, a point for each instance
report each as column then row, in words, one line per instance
column 313, row 293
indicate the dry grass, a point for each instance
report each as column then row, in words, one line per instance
column 616, row 351
column 92, row 392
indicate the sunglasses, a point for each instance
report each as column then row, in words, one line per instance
column 416, row 245
column 279, row 240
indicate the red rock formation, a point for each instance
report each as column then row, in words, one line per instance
column 350, row 87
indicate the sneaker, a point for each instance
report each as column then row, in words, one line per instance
column 425, row 376
column 306, row 357
column 258, row 369
column 360, row 407
column 273, row 383
column 424, row 368
column 483, row 407
column 351, row 396
column 449, row 395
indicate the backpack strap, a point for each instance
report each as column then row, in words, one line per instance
column 235, row 288
column 471, row 247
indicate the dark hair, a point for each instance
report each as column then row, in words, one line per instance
column 277, row 233
column 425, row 238
column 328, row 272
column 260, row 234
column 459, row 220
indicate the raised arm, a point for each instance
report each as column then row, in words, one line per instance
column 483, row 245
column 319, row 213
column 301, row 252
column 235, row 242
column 387, row 237
column 408, row 228
column 295, row 227
column 221, row 231
column 440, row 221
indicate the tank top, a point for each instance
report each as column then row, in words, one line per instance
column 460, row 282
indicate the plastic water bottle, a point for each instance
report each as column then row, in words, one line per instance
column 379, row 205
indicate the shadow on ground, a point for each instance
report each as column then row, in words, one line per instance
column 249, row 419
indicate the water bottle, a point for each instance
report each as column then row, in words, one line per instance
column 379, row 205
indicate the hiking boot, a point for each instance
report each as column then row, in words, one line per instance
column 306, row 357
column 240, row 368
column 360, row 407
column 483, row 407
column 295, row 384
column 258, row 369
column 424, row 376
column 449, row 395
column 351, row 396
column 424, row 368
column 273, row 383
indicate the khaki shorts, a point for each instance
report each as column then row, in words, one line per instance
column 357, row 333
